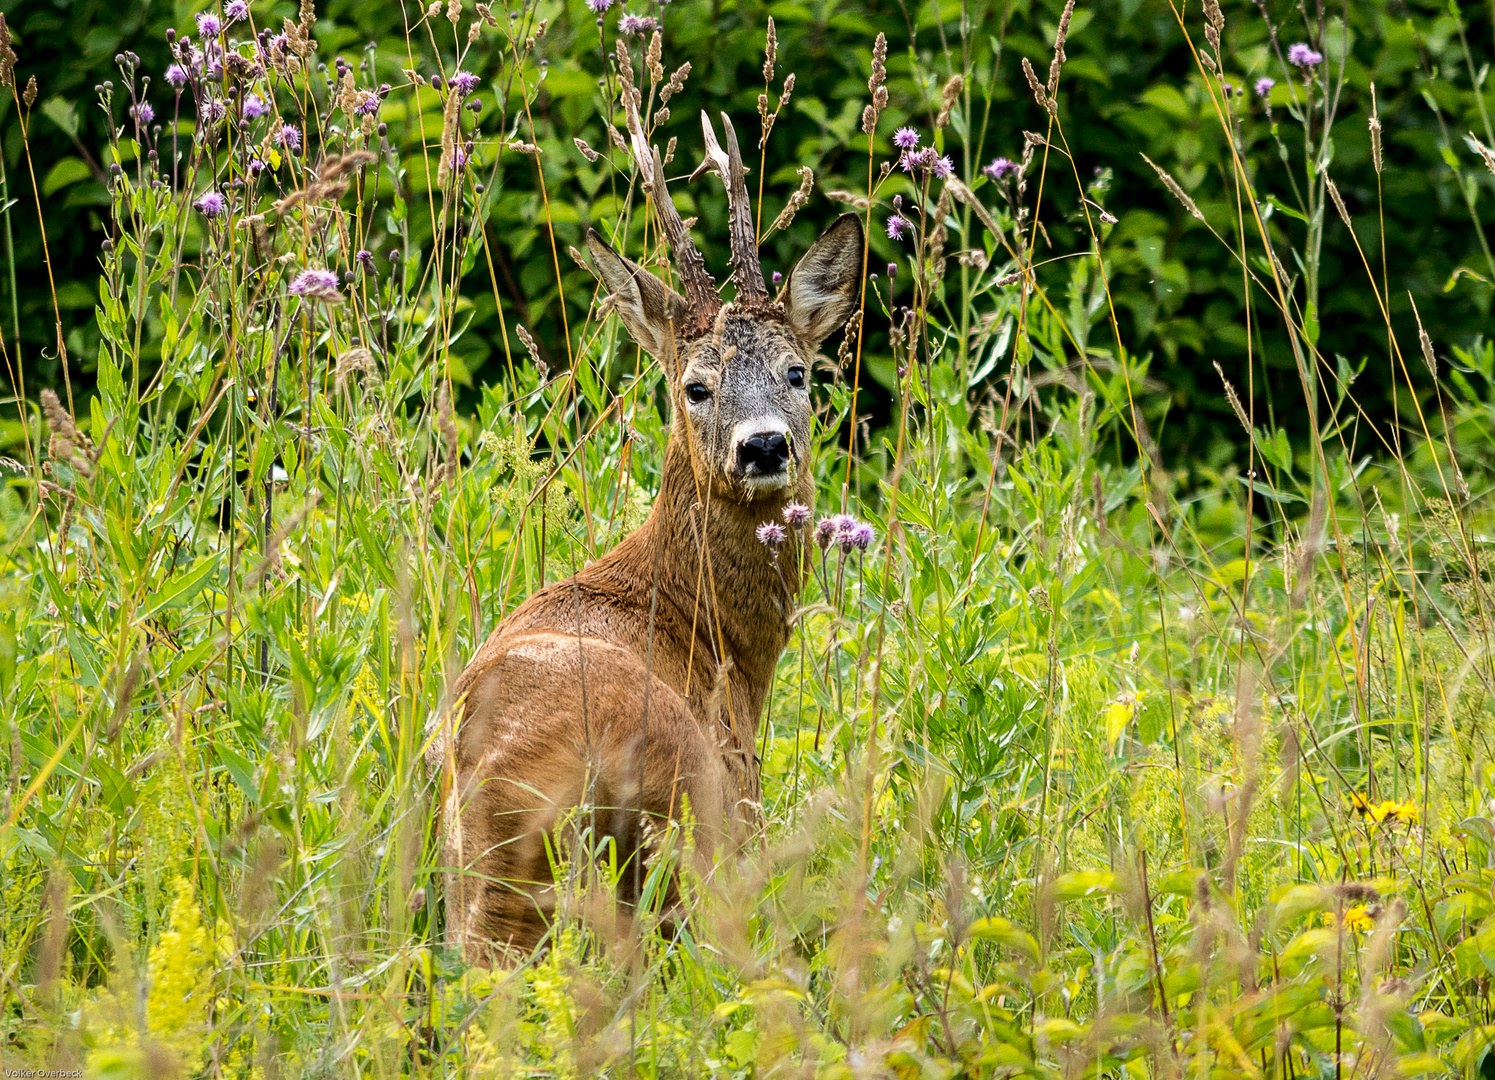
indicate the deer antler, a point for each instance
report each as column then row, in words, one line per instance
column 700, row 290
column 745, row 269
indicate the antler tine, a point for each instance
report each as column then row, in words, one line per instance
column 700, row 290
column 728, row 165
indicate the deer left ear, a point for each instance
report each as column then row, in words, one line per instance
column 822, row 289
column 648, row 307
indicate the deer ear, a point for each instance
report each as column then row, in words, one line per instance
column 648, row 307
column 822, row 288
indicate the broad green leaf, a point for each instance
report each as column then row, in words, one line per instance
column 69, row 170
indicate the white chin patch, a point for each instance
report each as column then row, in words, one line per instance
column 759, row 484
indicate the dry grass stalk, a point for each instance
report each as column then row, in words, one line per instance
column 796, row 201
column 1172, row 185
column 1057, row 63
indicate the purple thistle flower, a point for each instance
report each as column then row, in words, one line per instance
column 143, row 114
column 459, row 158
column 213, row 111
column 255, row 107
column 827, row 528
column 176, row 75
column 368, row 103
column 796, row 514
column 365, row 259
column 1301, row 55
column 896, row 226
column 290, row 137
column 997, row 168
column 211, row 205
column 464, row 82
column 908, row 161
column 599, row 7
column 859, row 536
column 635, row 24
column 943, row 168
column 777, row 277
column 771, row 534
column 1264, row 86
column 208, row 25
column 236, row 10
column 927, row 157
column 905, row 138
column 317, row 285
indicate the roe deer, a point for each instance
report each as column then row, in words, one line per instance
column 638, row 683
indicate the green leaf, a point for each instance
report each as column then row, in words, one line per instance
column 1005, row 933
column 63, row 113
column 182, row 589
column 1083, row 883
column 240, row 768
column 67, row 171
column 1311, row 323
column 1281, row 207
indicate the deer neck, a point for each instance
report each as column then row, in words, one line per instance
column 747, row 590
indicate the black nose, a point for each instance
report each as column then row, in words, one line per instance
column 765, row 453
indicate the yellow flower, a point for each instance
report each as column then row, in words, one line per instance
column 1356, row 920
column 1386, row 810
column 180, row 994
column 1406, row 810
column 1117, row 714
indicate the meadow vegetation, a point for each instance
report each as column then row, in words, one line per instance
column 1091, row 762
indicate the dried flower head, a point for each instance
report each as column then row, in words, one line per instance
column 1375, row 134
column 796, row 201
column 950, row 97
column 1058, row 62
column 1172, row 185
column 7, row 56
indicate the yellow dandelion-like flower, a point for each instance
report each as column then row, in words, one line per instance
column 1406, row 810
column 1386, row 810
column 1357, row 920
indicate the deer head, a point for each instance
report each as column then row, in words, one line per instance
column 739, row 372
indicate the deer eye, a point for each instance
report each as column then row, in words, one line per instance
column 695, row 393
column 797, row 378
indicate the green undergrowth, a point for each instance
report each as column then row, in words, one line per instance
column 1091, row 764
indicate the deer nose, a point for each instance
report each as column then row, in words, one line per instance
column 764, row 453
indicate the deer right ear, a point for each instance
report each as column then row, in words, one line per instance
column 649, row 308
column 822, row 290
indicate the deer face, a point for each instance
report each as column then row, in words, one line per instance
column 741, row 386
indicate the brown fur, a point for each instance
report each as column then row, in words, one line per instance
column 637, row 685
